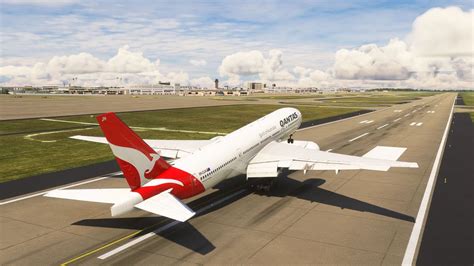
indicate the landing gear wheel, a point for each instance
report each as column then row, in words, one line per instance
column 263, row 186
column 290, row 139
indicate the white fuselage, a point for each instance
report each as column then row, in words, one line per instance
column 229, row 156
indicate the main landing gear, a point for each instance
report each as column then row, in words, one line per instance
column 264, row 185
column 290, row 139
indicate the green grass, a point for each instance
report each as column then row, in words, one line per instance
column 288, row 97
column 468, row 98
column 22, row 157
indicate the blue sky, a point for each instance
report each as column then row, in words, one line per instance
column 175, row 32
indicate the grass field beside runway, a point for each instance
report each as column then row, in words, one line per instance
column 54, row 151
column 468, row 98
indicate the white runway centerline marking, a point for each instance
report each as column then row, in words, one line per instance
column 412, row 123
column 419, row 124
column 420, row 217
column 397, row 111
column 406, row 115
column 362, row 122
column 397, row 119
column 163, row 228
column 358, row 137
column 380, row 127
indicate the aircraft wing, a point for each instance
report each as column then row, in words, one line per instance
column 298, row 157
column 167, row 148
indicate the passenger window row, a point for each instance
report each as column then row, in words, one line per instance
column 218, row 168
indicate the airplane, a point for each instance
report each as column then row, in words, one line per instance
column 261, row 149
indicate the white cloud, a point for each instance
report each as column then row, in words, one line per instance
column 205, row 82
column 433, row 54
column 40, row 2
column 129, row 62
column 75, row 64
column 438, row 54
column 443, row 32
column 390, row 62
column 253, row 63
column 242, row 63
column 198, row 62
column 126, row 67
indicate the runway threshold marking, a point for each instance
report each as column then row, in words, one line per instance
column 44, row 192
column 421, row 216
column 358, row 137
column 167, row 226
column 380, row 127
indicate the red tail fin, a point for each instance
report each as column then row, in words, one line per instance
column 137, row 160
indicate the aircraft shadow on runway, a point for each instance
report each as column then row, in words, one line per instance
column 310, row 190
column 183, row 234
column 186, row 235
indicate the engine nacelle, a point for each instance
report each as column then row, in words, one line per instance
column 126, row 204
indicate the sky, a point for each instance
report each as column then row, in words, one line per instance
column 419, row 44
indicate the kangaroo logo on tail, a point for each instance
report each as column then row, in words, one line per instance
column 144, row 166
column 135, row 157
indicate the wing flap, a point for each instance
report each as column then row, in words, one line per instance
column 105, row 195
column 269, row 169
column 165, row 204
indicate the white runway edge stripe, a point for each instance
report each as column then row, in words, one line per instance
column 163, row 228
column 421, row 216
column 358, row 137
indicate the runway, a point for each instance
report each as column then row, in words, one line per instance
column 354, row 217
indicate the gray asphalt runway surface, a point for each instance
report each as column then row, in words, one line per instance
column 356, row 217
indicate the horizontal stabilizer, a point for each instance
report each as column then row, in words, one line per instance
column 165, row 204
column 105, row 195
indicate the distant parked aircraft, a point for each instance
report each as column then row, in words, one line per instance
column 260, row 150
